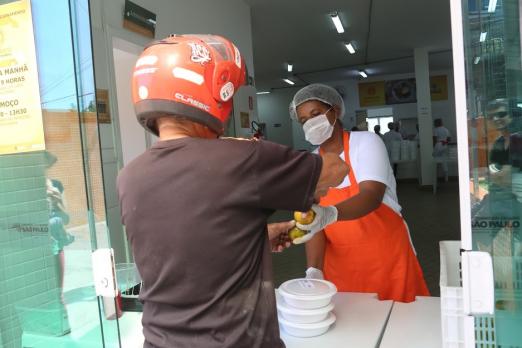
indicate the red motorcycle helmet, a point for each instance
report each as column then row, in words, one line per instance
column 190, row 76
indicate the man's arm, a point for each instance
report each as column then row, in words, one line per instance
column 333, row 171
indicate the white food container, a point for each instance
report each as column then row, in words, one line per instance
column 301, row 316
column 307, row 330
column 307, row 293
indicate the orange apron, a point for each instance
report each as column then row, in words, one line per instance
column 372, row 253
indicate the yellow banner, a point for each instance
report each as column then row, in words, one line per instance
column 371, row 94
column 21, row 125
column 439, row 87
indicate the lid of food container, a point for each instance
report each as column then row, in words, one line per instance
column 283, row 307
column 330, row 319
column 313, row 289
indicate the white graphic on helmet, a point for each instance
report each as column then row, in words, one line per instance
column 237, row 57
column 227, row 91
column 189, row 100
column 200, row 54
column 143, row 92
column 145, row 71
column 189, row 75
column 146, row 60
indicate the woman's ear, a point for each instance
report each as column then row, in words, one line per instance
column 337, row 111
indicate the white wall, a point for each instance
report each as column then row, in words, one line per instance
column 273, row 110
column 229, row 18
column 132, row 135
column 242, row 105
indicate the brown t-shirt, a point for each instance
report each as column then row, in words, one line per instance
column 195, row 212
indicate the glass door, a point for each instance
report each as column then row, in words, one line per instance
column 52, row 209
column 489, row 111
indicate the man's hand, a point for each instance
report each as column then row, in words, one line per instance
column 333, row 172
column 278, row 235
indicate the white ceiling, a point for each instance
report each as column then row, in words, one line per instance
column 301, row 31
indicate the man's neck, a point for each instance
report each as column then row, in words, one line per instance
column 174, row 132
column 172, row 136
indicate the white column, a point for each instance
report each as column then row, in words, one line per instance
column 422, row 76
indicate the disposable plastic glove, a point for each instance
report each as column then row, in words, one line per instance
column 314, row 273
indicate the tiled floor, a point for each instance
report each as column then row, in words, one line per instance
column 431, row 218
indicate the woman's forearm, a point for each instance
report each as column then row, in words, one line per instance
column 315, row 251
column 356, row 207
column 369, row 198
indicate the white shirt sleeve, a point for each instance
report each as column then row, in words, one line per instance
column 370, row 160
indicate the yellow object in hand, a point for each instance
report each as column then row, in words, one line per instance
column 296, row 233
column 304, row 218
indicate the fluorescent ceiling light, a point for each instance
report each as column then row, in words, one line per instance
column 290, row 82
column 289, row 67
column 337, row 22
column 483, row 36
column 492, row 6
column 476, row 60
column 363, row 74
column 350, row 48
column 263, row 92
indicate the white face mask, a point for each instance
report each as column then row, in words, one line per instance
column 318, row 129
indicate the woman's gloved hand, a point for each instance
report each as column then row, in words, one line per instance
column 314, row 273
column 324, row 216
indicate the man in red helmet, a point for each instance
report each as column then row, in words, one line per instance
column 195, row 206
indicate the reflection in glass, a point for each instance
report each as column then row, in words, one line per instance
column 52, row 209
column 494, row 92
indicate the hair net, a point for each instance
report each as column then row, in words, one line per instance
column 316, row 91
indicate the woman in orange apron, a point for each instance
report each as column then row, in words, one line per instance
column 360, row 243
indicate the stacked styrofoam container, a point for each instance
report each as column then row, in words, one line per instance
column 395, row 152
column 305, row 306
column 463, row 331
column 413, row 149
column 405, row 150
column 455, row 324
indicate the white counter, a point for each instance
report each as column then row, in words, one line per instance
column 413, row 325
column 361, row 319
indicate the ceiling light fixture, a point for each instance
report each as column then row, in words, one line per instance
column 337, row 22
column 290, row 82
column 483, row 36
column 263, row 92
column 363, row 74
column 289, row 67
column 350, row 48
column 492, row 6
column 476, row 60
